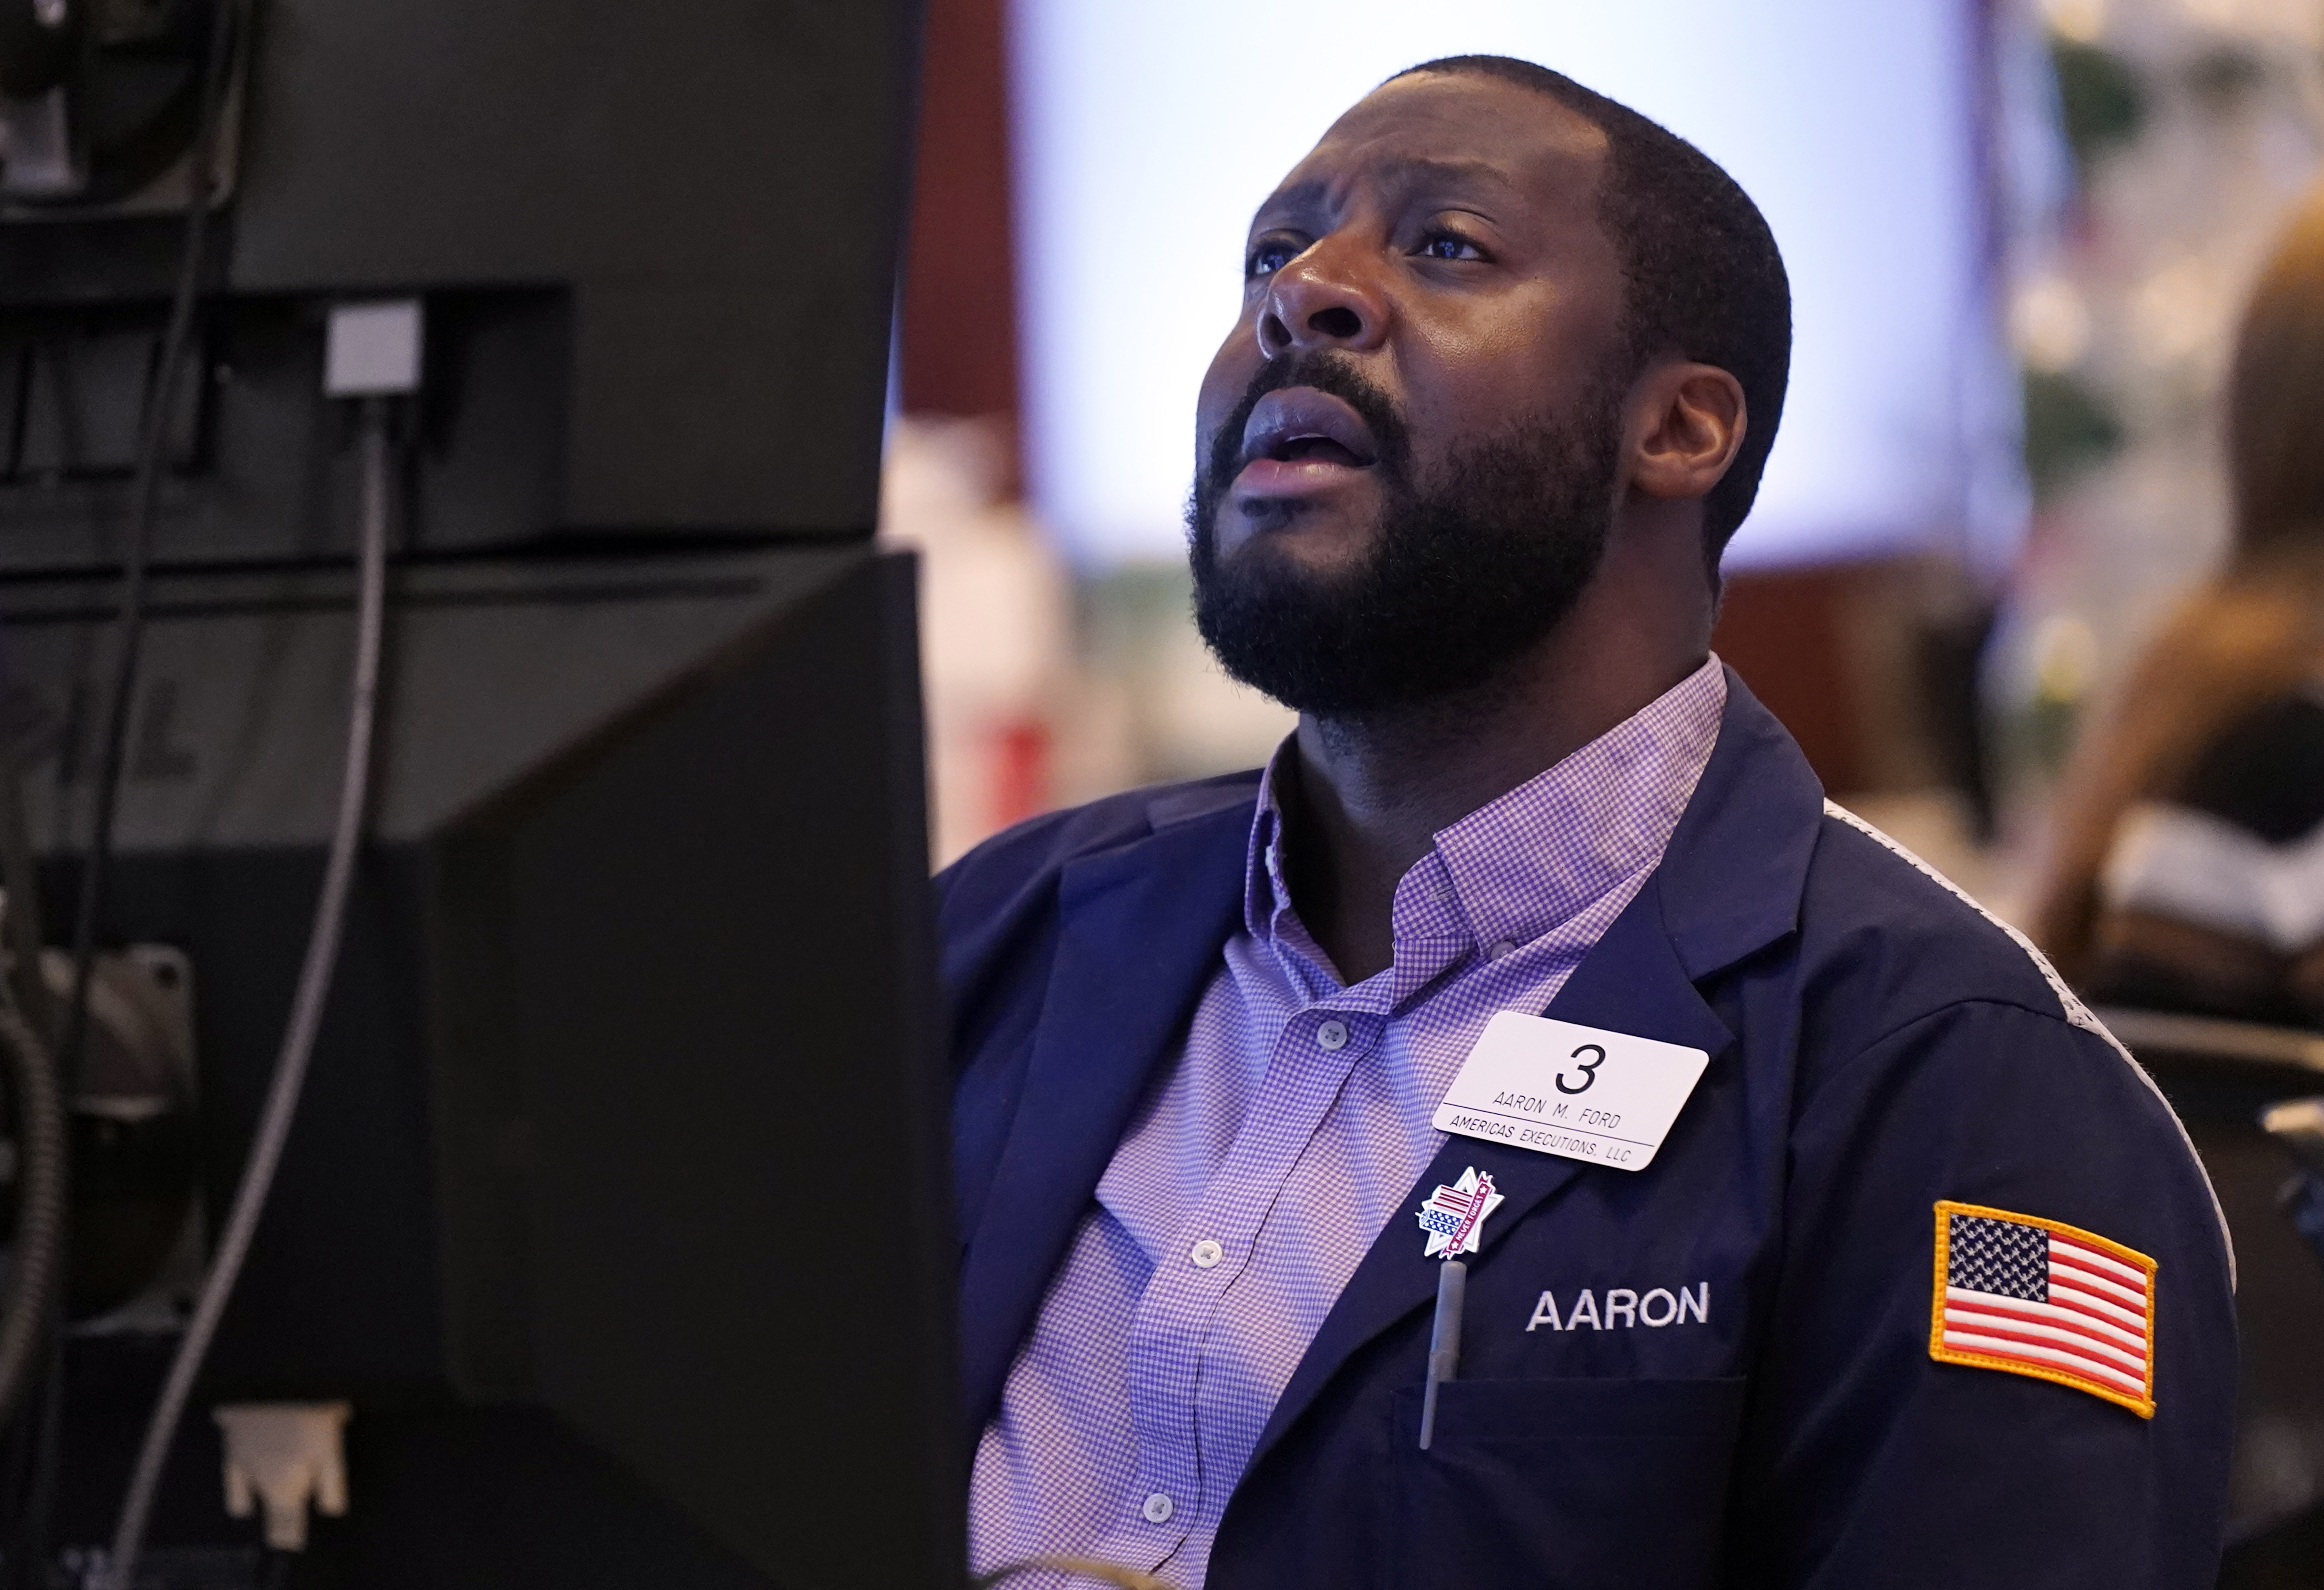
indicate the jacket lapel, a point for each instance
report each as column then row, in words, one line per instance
column 1630, row 982
column 1728, row 885
column 1142, row 926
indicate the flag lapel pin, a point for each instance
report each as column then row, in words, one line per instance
column 1454, row 1216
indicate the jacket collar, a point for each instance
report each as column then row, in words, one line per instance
column 1732, row 877
column 1141, row 928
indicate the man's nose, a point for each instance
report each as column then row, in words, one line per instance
column 1321, row 299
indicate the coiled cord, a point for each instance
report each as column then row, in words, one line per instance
column 39, row 1246
column 35, row 1279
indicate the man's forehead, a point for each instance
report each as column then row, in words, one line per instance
column 1457, row 130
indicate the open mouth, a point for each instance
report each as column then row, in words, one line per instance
column 1313, row 447
column 1300, row 425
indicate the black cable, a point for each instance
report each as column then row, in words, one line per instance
column 145, row 489
column 20, row 931
column 26, row 1560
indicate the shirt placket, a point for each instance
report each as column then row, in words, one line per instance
column 1184, row 1417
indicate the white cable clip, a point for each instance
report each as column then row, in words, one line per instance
column 373, row 349
column 285, row 1454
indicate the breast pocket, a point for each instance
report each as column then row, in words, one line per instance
column 1565, row 1483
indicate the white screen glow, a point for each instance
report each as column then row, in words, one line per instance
column 1146, row 134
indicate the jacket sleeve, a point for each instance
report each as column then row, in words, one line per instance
column 1865, row 1460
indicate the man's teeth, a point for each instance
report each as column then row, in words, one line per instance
column 1311, row 444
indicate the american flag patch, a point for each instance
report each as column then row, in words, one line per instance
column 2038, row 1296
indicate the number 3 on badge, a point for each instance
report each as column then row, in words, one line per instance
column 1589, row 1068
column 1580, row 1092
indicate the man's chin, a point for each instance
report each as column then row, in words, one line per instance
column 1326, row 539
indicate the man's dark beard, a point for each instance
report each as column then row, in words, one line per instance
column 1472, row 564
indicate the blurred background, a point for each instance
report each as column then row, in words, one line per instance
column 2019, row 236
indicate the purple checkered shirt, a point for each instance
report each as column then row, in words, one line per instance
column 1253, row 1180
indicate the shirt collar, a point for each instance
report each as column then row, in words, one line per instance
column 1519, row 865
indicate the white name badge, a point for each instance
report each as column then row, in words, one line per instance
column 1582, row 1093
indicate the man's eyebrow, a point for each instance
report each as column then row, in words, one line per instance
column 1403, row 171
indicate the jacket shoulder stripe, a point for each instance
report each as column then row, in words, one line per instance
column 2069, row 1003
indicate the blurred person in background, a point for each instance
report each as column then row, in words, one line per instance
column 2188, row 868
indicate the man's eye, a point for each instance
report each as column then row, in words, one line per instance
column 1450, row 245
column 1269, row 258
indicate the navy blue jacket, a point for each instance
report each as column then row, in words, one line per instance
column 1877, row 1045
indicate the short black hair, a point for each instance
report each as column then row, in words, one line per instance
column 1702, row 276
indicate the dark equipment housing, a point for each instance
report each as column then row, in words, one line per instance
column 616, row 1202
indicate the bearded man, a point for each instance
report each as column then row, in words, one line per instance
column 1526, row 1135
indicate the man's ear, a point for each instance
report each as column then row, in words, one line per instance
column 1691, row 420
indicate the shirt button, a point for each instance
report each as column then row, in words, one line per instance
column 1205, row 1253
column 1332, row 1035
column 1159, row 1509
column 1497, row 948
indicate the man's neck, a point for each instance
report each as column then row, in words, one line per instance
column 1370, row 793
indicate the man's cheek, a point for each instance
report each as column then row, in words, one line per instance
column 1207, row 458
column 1223, row 386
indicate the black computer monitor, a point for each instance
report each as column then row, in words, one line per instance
column 621, row 1151
column 616, row 1202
